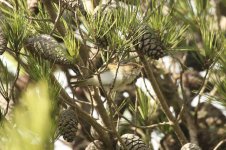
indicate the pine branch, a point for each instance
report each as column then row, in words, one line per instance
column 51, row 10
column 162, row 101
column 82, row 114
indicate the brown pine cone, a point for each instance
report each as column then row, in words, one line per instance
column 132, row 142
column 68, row 125
column 48, row 48
column 149, row 43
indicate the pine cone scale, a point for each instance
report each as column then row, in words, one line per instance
column 150, row 44
column 47, row 47
column 132, row 142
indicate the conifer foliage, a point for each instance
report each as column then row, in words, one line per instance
column 112, row 74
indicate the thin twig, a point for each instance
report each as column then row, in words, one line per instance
column 219, row 144
column 162, row 101
column 12, row 94
column 37, row 19
column 149, row 93
column 80, row 30
column 82, row 114
column 100, row 107
column 60, row 13
column 110, row 103
column 115, row 78
column 7, row 107
column 203, row 87
column 91, row 100
column 143, row 127
column 6, row 3
column 17, row 5
column 184, row 97
column 149, row 126
column 213, row 91
column 82, row 102
column 49, row 6
column 184, row 113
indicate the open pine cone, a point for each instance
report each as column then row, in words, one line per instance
column 149, row 43
column 132, row 142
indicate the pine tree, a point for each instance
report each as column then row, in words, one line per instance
column 147, row 69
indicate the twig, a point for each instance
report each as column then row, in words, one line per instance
column 110, row 103
column 148, row 126
column 49, row 6
column 82, row 114
column 184, row 113
column 183, row 94
column 7, row 106
column 102, row 111
column 60, row 12
column 162, row 101
column 6, row 3
column 213, row 91
column 100, row 107
column 136, row 109
column 115, row 78
column 37, row 19
column 11, row 95
column 91, row 100
column 19, row 53
column 203, row 86
column 17, row 4
column 80, row 30
column 219, row 144
column 181, row 112
column 149, row 93
column 82, row 102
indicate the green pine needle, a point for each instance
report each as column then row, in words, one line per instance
column 16, row 30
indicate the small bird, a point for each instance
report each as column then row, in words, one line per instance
column 119, row 75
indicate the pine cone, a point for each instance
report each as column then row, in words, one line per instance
column 3, row 42
column 68, row 125
column 47, row 47
column 149, row 44
column 190, row 146
column 95, row 145
column 132, row 142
